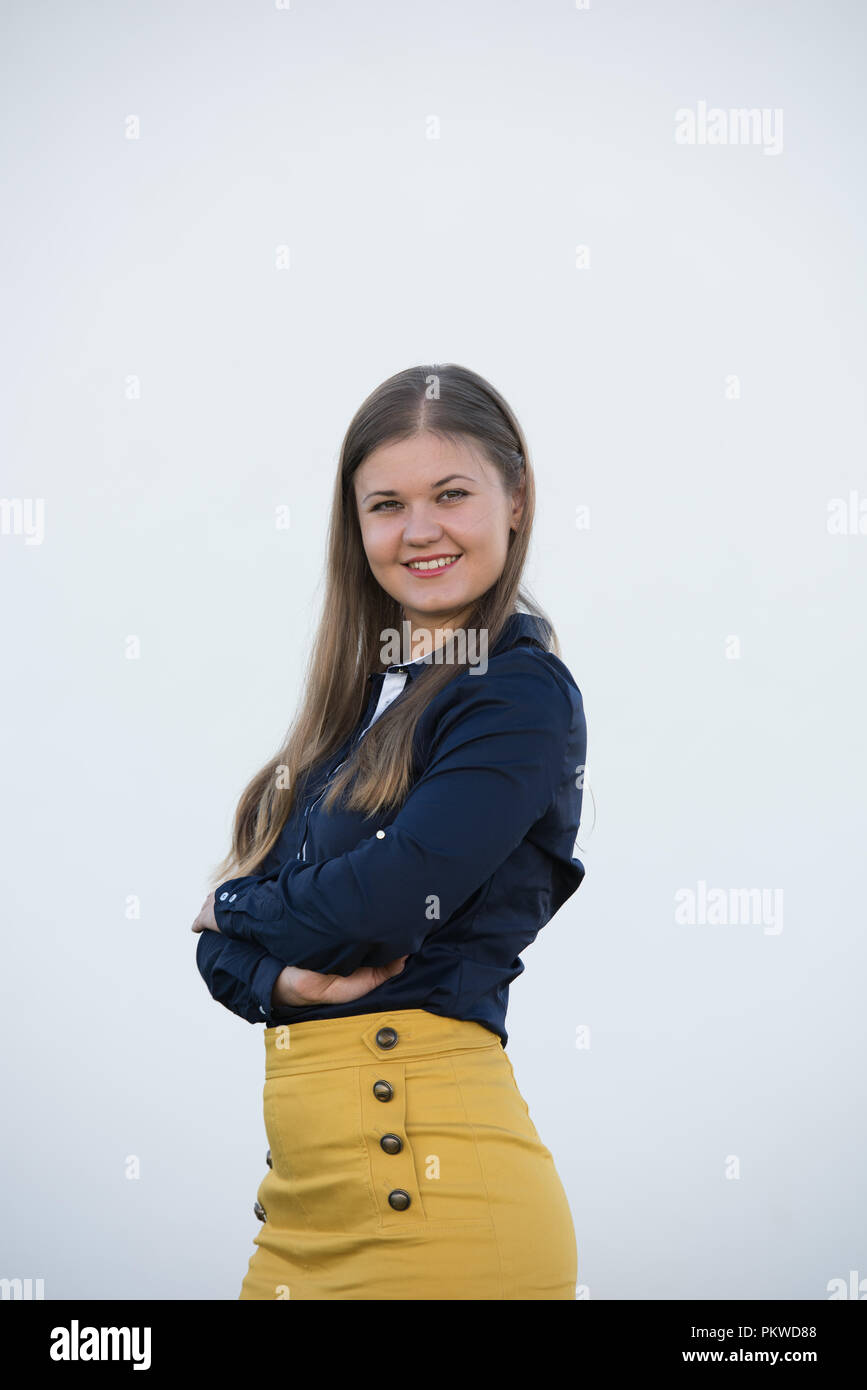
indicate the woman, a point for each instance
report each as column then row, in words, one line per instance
column 390, row 864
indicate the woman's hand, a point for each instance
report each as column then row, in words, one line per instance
column 295, row 986
column 206, row 921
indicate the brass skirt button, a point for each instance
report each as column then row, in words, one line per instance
column 259, row 1211
column 268, row 1159
column 386, row 1037
column 392, row 1143
column 383, row 1090
column 399, row 1199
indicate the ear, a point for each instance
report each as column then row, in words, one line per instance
column 517, row 506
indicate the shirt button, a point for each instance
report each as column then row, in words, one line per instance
column 386, row 1037
column 268, row 1159
column 259, row 1210
column 392, row 1143
column 223, row 897
column 399, row 1199
column 380, row 834
column 383, row 1090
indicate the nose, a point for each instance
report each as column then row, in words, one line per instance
column 421, row 526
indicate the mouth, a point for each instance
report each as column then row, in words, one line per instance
column 428, row 568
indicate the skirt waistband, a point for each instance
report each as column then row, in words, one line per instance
column 400, row 1034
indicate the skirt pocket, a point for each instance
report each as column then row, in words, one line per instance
column 424, row 1162
column 444, row 1142
column 319, row 1179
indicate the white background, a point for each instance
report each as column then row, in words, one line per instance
column 154, row 258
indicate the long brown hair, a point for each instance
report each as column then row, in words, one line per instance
column 451, row 402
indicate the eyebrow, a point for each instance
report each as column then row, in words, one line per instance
column 390, row 492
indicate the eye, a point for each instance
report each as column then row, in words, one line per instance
column 451, row 492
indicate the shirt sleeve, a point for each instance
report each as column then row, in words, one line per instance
column 239, row 974
column 495, row 766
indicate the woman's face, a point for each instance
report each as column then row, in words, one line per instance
column 425, row 498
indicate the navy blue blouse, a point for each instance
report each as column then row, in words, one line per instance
column 461, row 877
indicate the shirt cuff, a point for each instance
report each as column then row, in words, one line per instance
column 238, row 906
column 262, row 985
column 222, row 895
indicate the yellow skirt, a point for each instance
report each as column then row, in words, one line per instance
column 403, row 1164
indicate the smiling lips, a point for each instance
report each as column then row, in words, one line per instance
column 435, row 564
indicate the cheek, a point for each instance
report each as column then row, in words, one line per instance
column 378, row 546
column 482, row 525
column 485, row 535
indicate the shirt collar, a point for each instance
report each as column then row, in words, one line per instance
column 518, row 627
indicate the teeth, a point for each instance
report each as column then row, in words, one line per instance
column 432, row 564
